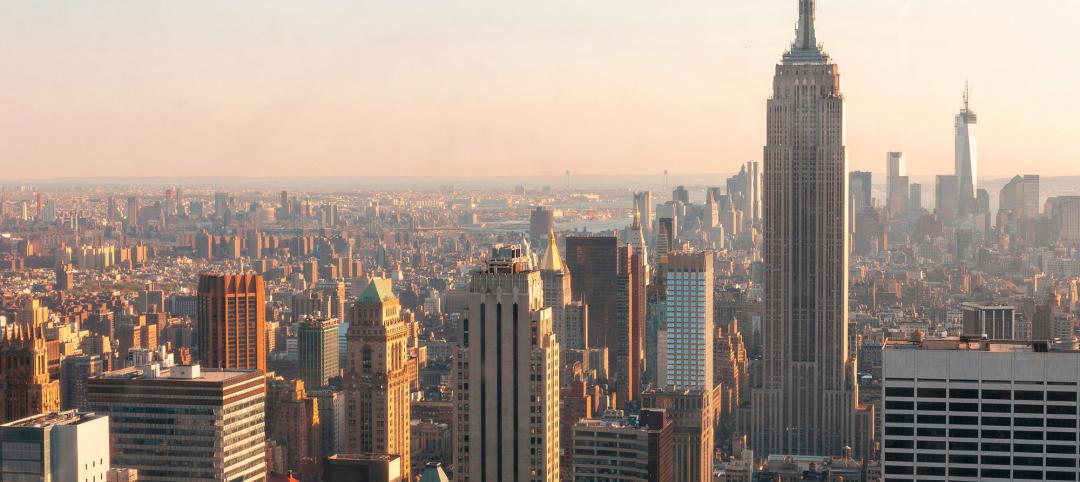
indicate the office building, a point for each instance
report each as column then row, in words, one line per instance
column 947, row 199
column 1021, row 196
column 293, row 423
column 690, row 330
column 967, row 161
column 25, row 383
column 558, row 295
column 861, row 189
column 377, row 377
column 332, row 413
column 916, row 198
column 541, row 223
column 74, row 373
column 997, row 322
column 804, row 400
column 970, row 409
column 232, row 321
column 643, row 204
column 506, row 377
column 594, row 269
column 692, row 413
column 55, row 446
column 630, row 449
column 1064, row 212
column 204, row 425
column 897, row 191
column 318, row 344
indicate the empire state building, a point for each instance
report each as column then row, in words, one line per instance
column 804, row 398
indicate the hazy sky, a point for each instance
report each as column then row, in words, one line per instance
column 467, row 87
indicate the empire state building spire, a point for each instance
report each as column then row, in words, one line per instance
column 805, row 49
column 805, row 38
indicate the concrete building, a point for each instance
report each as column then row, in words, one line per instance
column 56, row 446
column 506, row 376
column 204, row 425
column 805, row 395
column 318, row 344
column 690, row 329
column 232, row 321
column 643, row 204
column 691, row 411
column 970, row 409
column 377, row 377
column 997, row 322
column 619, row 448
column 74, row 373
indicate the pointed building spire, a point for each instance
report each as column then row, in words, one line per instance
column 806, row 38
column 552, row 259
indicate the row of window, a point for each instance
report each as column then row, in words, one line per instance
column 984, row 433
column 973, row 472
column 958, row 446
column 984, row 394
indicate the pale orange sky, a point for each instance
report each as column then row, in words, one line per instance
column 474, row 87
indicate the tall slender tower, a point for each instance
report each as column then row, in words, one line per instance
column 804, row 399
column 377, row 377
column 967, row 161
column 506, row 371
column 232, row 321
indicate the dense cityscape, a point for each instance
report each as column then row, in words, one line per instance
column 796, row 321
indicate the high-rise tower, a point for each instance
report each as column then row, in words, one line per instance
column 506, row 374
column 967, row 161
column 805, row 398
column 232, row 321
column 377, row 377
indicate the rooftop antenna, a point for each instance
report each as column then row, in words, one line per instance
column 567, row 179
column 967, row 95
column 665, row 180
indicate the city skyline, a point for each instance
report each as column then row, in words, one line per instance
column 548, row 87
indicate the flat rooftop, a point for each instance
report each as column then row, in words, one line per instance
column 178, row 373
column 67, row 417
column 968, row 344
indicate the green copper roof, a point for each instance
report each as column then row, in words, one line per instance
column 378, row 289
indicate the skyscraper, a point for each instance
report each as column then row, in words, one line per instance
column 541, row 222
column 861, row 189
column 897, row 198
column 593, row 266
column 915, row 198
column 377, row 380
column 1021, row 196
column 570, row 318
column 203, row 425
column 506, row 377
column 232, row 321
column 133, row 211
column 690, row 330
column 947, row 199
column 805, row 398
column 318, row 345
column 967, row 161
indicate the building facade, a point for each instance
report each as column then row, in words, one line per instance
column 232, row 321
column 506, row 377
column 55, row 446
column 690, row 330
column 805, row 395
column 318, row 344
column 203, row 425
column 619, row 448
column 377, row 378
column 970, row 409
column 26, row 386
